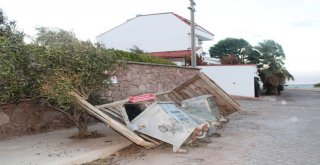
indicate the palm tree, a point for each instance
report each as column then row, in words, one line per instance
column 271, row 66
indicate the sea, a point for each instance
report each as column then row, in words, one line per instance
column 300, row 86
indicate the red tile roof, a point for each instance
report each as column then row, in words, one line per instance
column 189, row 23
column 172, row 54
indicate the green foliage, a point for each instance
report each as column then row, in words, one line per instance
column 15, row 80
column 254, row 57
column 137, row 50
column 146, row 58
column 55, row 64
column 271, row 54
column 231, row 46
column 67, row 64
column 138, row 55
column 96, row 99
column 267, row 55
column 271, row 66
column 317, row 85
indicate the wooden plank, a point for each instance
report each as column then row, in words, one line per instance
column 177, row 95
column 121, row 102
column 163, row 93
column 202, row 85
column 155, row 141
column 196, row 89
column 183, row 94
column 189, row 92
column 206, row 89
column 186, row 83
column 206, row 78
column 222, row 93
column 175, row 98
column 111, row 122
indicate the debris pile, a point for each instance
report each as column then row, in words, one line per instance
column 191, row 111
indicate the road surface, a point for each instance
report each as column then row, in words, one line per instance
column 273, row 130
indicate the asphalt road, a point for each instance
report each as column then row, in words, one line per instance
column 273, row 130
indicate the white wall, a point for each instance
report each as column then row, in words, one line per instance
column 234, row 79
column 151, row 33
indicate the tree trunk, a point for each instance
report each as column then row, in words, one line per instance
column 82, row 124
column 272, row 90
column 275, row 91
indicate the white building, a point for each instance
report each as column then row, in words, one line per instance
column 236, row 80
column 166, row 35
column 211, row 60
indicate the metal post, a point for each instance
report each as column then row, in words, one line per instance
column 193, row 46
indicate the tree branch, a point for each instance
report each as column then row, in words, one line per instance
column 63, row 112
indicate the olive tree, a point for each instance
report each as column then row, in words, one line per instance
column 67, row 64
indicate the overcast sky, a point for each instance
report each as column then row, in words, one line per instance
column 295, row 24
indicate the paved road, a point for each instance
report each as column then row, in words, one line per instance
column 274, row 130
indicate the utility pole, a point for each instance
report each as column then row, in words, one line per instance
column 193, row 46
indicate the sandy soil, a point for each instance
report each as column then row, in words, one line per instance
column 58, row 148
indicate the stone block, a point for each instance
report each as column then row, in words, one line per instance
column 116, row 94
column 8, row 108
column 19, row 117
column 50, row 116
column 124, row 84
column 4, row 118
column 151, row 88
column 142, row 88
column 133, row 90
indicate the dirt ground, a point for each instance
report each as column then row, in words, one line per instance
column 272, row 130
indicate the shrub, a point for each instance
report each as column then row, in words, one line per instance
column 146, row 58
column 15, row 77
column 317, row 85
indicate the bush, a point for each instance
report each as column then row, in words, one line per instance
column 15, row 77
column 317, row 85
column 146, row 58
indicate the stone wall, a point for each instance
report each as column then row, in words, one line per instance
column 26, row 118
column 134, row 79
column 139, row 78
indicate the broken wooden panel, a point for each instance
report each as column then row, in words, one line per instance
column 197, row 86
column 119, row 126
column 203, row 85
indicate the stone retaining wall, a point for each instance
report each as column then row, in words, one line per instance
column 25, row 118
column 134, row 79
column 139, row 78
